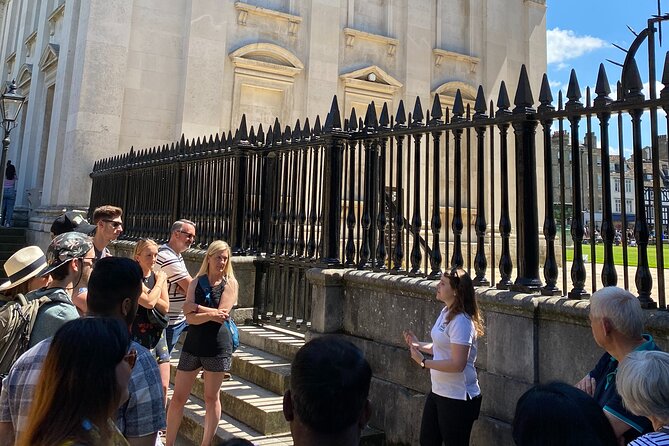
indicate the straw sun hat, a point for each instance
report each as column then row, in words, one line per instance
column 23, row 265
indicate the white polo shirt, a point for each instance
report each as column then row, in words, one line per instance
column 459, row 331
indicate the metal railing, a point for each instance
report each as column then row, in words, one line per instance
column 380, row 193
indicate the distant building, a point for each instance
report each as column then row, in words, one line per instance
column 623, row 197
column 589, row 201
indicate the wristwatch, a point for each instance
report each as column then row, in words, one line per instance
column 422, row 363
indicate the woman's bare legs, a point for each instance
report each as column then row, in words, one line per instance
column 212, row 403
column 164, row 369
column 183, row 383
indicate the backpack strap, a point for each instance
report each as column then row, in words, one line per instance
column 203, row 281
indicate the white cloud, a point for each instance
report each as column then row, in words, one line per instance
column 564, row 44
column 646, row 89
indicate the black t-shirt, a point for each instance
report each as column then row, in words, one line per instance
column 143, row 331
column 210, row 338
column 607, row 396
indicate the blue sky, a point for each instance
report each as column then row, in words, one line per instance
column 580, row 35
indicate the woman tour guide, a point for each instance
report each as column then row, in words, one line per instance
column 455, row 400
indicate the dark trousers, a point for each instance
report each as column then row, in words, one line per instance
column 448, row 421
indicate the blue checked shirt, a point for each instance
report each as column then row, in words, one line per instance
column 143, row 414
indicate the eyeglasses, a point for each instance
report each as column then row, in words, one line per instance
column 92, row 259
column 114, row 223
column 131, row 358
column 188, row 235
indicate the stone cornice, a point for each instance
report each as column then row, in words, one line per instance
column 30, row 43
column 440, row 55
column 390, row 43
column 244, row 9
column 60, row 10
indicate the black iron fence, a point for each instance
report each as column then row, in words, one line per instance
column 410, row 193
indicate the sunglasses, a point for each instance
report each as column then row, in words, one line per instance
column 92, row 259
column 131, row 358
column 115, row 224
column 188, row 235
column 453, row 275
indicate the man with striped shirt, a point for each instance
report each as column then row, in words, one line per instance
column 170, row 261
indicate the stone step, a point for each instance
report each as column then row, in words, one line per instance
column 12, row 246
column 264, row 369
column 191, row 429
column 11, row 232
column 276, row 341
column 251, row 404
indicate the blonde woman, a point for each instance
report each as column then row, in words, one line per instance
column 146, row 330
column 208, row 345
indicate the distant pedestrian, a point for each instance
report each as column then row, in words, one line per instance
column 455, row 400
column 83, row 382
column 170, row 261
column 9, row 197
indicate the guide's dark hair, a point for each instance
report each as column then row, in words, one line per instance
column 113, row 280
column 559, row 414
column 329, row 384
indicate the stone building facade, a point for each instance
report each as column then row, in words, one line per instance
column 101, row 76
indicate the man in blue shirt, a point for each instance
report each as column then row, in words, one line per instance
column 616, row 319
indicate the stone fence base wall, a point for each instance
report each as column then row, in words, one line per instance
column 528, row 340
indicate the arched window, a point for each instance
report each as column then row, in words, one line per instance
column 264, row 79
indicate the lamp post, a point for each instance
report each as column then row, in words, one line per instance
column 10, row 107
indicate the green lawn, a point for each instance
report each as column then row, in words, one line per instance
column 632, row 254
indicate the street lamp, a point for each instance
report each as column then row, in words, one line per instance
column 10, row 107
